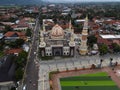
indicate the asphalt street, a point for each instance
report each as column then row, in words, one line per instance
column 31, row 77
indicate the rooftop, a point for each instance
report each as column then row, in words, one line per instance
column 10, row 33
column 110, row 36
column 7, row 69
column 14, row 51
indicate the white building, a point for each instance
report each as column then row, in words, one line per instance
column 57, row 42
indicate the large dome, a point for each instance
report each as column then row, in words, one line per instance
column 57, row 31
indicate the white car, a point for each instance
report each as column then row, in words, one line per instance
column 24, row 88
column 34, row 52
column 94, row 52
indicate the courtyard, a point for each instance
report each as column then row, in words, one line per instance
column 71, row 64
column 88, row 79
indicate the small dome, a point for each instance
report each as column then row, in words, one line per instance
column 57, row 31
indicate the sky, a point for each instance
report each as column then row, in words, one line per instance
column 80, row 0
column 22, row 2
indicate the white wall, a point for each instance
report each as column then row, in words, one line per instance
column 66, row 50
column 48, row 51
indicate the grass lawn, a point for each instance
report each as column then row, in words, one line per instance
column 95, row 81
column 1, row 54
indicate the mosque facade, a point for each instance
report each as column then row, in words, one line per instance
column 60, row 42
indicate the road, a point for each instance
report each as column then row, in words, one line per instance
column 31, row 76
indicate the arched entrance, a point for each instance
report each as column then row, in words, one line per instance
column 57, row 51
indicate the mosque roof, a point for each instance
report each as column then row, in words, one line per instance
column 57, row 31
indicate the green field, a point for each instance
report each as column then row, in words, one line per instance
column 95, row 81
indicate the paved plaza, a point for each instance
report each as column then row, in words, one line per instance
column 77, row 61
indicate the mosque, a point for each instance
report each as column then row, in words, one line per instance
column 60, row 42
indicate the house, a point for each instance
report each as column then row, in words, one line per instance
column 17, row 27
column 109, row 39
column 32, row 10
column 24, row 23
column 12, row 36
column 7, row 23
column 14, row 51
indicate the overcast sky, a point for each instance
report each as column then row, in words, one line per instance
column 80, row 0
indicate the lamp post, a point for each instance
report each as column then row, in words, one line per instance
column 111, row 59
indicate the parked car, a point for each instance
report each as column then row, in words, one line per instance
column 93, row 52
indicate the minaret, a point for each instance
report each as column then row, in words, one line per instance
column 83, row 46
column 44, row 27
column 71, row 31
column 41, row 37
column 42, row 42
column 70, row 26
column 72, row 42
column 42, row 33
column 72, row 37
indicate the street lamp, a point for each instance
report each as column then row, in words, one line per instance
column 111, row 59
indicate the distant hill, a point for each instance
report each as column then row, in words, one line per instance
column 19, row 2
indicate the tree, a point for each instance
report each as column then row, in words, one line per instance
column 103, row 49
column 12, row 44
column 7, row 28
column 19, row 42
column 21, row 59
column 19, row 74
column 1, row 47
column 16, row 44
column 28, row 32
column 91, row 40
column 115, row 47
column 12, row 19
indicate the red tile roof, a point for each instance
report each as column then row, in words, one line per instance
column 116, row 41
column 112, row 21
column 13, row 51
column 10, row 33
column 19, row 25
column 20, row 34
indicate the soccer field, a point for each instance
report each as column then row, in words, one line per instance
column 95, row 81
